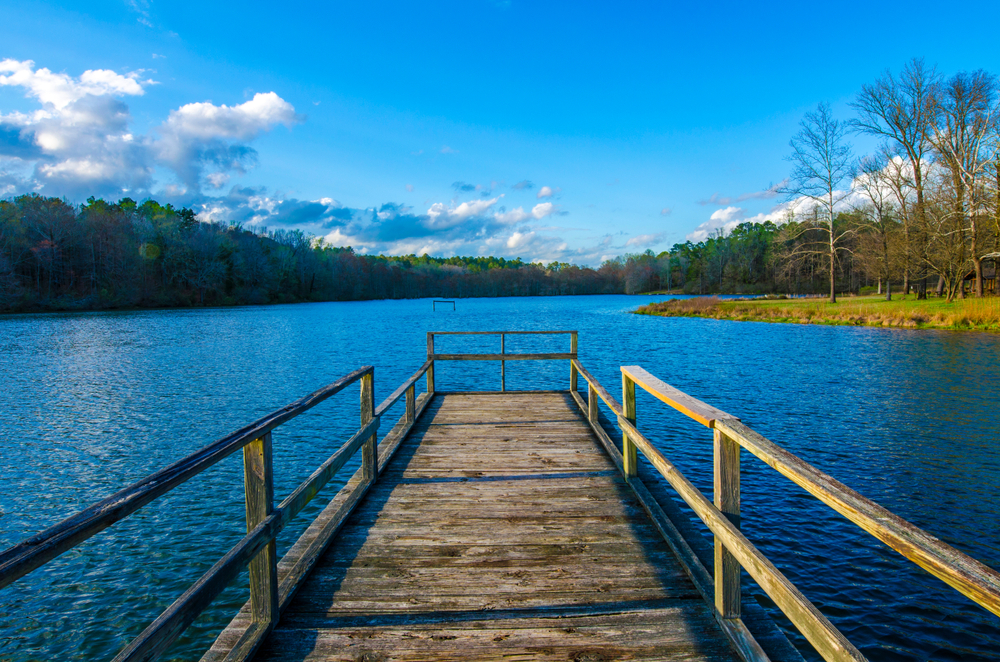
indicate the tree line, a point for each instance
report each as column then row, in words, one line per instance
column 922, row 212
column 55, row 256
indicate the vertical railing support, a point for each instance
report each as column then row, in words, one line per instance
column 572, row 368
column 411, row 403
column 630, row 457
column 503, row 364
column 727, row 499
column 369, row 451
column 430, row 368
column 591, row 404
column 258, row 484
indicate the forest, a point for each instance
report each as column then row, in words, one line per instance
column 921, row 214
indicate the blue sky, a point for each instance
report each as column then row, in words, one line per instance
column 545, row 130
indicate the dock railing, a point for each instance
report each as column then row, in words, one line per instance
column 269, row 593
column 733, row 550
column 503, row 356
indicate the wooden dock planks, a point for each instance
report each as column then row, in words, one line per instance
column 499, row 530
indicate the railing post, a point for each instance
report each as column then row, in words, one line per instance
column 258, row 485
column 503, row 364
column 411, row 403
column 430, row 369
column 591, row 404
column 572, row 368
column 727, row 499
column 630, row 457
column 369, row 451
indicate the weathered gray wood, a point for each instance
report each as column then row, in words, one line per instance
column 630, row 459
column 592, row 410
column 430, row 368
column 37, row 550
column 679, row 400
column 158, row 636
column 496, row 333
column 609, row 399
column 304, row 493
column 727, row 500
column 572, row 368
column 258, row 480
column 403, row 388
column 551, row 356
column 503, row 364
column 494, row 539
column 973, row 579
column 237, row 641
column 369, row 451
column 411, row 404
column 828, row 641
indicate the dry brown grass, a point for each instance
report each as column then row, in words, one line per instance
column 967, row 314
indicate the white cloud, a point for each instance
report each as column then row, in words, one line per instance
column 79, row 143
column 645, row 240
column 443, row 216
column 205, row 121
column 543, row 209
column 60, row 90
column 545, row 192
column 666, row 211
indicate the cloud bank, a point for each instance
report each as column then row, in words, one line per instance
column 79, row 143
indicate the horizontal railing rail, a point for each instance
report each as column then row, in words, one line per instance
column 264, row 520
column 503, row 356
column 41, row 548
column 733, row 550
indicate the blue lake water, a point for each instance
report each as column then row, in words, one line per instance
column 92, row 402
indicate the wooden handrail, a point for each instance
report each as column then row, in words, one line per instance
column 403, row 388
column 496, row 333
column 555, row 356
column 609, row 399
column 973, row 579
column 692, row 407
column 814, row 626
column 41, row 548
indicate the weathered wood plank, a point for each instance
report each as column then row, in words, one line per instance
column 37, row 550
column 814, row 626
column 702, row 412
column 543, row 356
column 960, row 571
column 726, row 453
column 481, row 519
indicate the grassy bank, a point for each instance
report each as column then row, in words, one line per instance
column 934, row 313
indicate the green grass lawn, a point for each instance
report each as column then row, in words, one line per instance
column 933, row 313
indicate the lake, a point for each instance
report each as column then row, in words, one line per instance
column 94, row 401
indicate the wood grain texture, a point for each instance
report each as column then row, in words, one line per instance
column 602, row 392
column 630, row 459
column 258, row 480
column 499, row 529
column 37, row 550
column 543, row 356
column 973, row 579
column 726, row 471
column 828, row 641
column 703, row 413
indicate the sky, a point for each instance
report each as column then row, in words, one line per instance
column 543, row 130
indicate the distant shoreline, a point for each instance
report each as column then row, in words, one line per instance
column 935, row 313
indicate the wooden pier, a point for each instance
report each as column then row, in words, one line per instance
column 503, row 525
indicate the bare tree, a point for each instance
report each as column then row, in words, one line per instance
column 821, row 161
column 904, row 111
column 872, row 179
column 965, row 143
